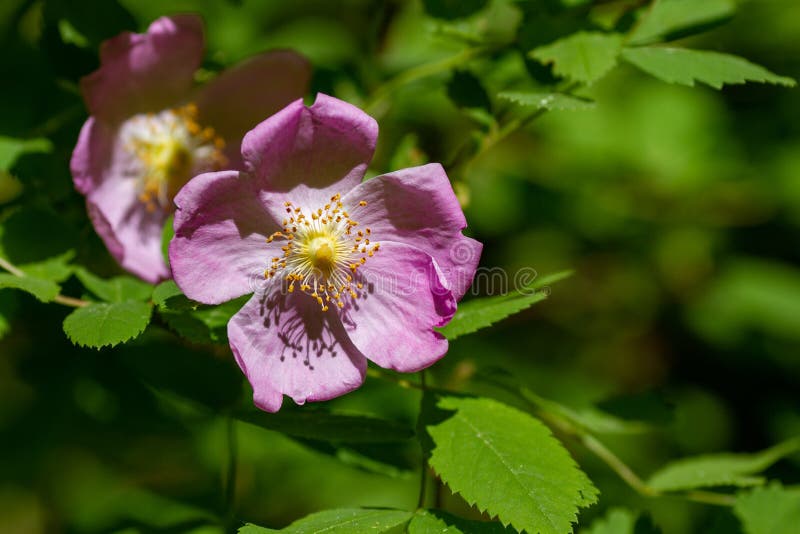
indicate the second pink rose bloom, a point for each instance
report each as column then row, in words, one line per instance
column 151, row 129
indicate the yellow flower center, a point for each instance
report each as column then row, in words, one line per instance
column 171, row 148
column 324, row 250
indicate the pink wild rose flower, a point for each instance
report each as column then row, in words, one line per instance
column 151, row 130
column 342, row 270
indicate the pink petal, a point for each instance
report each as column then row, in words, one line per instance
column 242, row 96
column 417, row 206
column 131, row 233
column 92, row 155
column 145, row 71
column 219, row 251
column 286, row 345
column 404, row 298
column 307, row 154
column 103, row 171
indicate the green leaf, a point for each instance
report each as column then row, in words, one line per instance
column 11, row 149
column 326, row 426
column 720, row 469
column 616, row 521
column 342, row 521
column 439, row 522
column 453, row 9
column 506, row 463
column 168, row 294
column 44, row 290
column 117, row 289
column 682, row 66
column 674, row 18
column 167, row 233
column 591, row 419
column 101, row 324
column 769, row 510
column 475, row 314
column 583, row 57
column 194, row 321
column 250, row 528
column 549, row 101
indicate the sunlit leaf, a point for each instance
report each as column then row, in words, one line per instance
column 342, row 521
column 583, row 57
column 769, row 510
column 117, row 289
column 439, row 522
column 686, row 67
column 44, row 290
column 547, row 101
column 480, row 313
column 168, row 294
column 673, row 18
column 506, row 463
column 100, row 324
column 11, row 149
column 720, row 469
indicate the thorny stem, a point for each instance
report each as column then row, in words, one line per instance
column 61, row 299
column 594, row 445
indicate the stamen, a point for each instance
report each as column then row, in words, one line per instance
column 322, row 253
column 170, row 147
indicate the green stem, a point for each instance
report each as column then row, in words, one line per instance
column 563, row 424
column 599, row 449
column 371, row 106
column 496, row 136
column 61, row 299
column 11, row 268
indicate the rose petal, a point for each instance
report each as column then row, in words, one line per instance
column 403, row 299
column 142, row 72
column 92, row 155
column 417, row 206
column 306, row 154
column 131, row 233
column 286, row 345
column 219, row 251
column 245, row 94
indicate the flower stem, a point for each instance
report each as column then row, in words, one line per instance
column 11, row 268
column 61, row 299
column 372, row 105
column 562, row 423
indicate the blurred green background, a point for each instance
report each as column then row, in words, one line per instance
column 678, row 208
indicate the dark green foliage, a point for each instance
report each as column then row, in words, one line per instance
column 575, row 137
